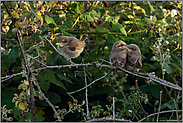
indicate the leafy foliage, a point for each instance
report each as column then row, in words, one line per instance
column 156, row 27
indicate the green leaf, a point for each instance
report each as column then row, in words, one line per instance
column 57, row 82
column 53, row 97
column 49, row 75
column 75, row 8
column 154, row 19
column 62, row 77
column 44, row 86
column 94, row 13
column 156, row 91
column 34, row 36
column 168, row 67
column 177, row 66
column 151, row 7
column 67, row 25
column 46, row 75
column 87, row 18
column 81, row 5
column 117, row 27
column 39, row 119
column 16, row 113
column 145, row 88
column 110, row 19
column 123, row 31
column 140, row 24
column 14, row 53
column 169, row 104
column 100, row 28
column 104, row 90
column 49, row 20
column 111, row 40
column 49, row 3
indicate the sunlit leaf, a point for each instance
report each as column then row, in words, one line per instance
column 100, row 28
column 49, row 20
column 123, row 31
column 21, row 106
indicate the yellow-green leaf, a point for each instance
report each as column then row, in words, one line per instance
column 26, row 82
column 21, row 106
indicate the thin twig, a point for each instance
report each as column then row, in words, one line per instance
column 54, row 47
column 9, row 12
column 154, row 115
column 176, row 110
column 19, row 36
column 44, row 97
column 107, row 119
column 91, row 83
column 159, row 105
column 159, row 113
column 87, row 108
column 37, row 60
column 139, row 100
column 113, row 108
column 32, row 47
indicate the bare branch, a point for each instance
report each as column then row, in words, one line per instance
column 176, row 110
column 107, row 119
column 87, row 108
column 154, row 115
column 91, row 83
column 159, row 105
column 37, row 60
column 113, row 108
column 54, row 47
column 9, row 12
column 142, row 75
column 137, row 87
column 19, row 36
column 32, row 47
column 44, row 97
column 160, row 113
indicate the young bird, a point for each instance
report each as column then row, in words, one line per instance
column 71, row 47
column 134, row 62
column 118, row 54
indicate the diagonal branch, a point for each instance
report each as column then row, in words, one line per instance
column 44, row 97
column 91, row 83
column 19, row 36
column 160, row 113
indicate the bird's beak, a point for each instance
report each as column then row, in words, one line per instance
column 57, row 43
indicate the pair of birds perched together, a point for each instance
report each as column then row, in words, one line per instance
column 126, row 56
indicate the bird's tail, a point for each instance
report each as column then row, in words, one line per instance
column 84, row 37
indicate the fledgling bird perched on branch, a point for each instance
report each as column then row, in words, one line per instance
column 118, row 54
column 71, row 47
column 134, row 62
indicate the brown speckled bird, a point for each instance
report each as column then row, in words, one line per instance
column 71, row 47
column 134, row 62
column 118, row 54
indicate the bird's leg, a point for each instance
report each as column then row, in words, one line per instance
column 69, row 59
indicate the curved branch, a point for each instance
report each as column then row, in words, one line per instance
column 160, row 113
column 91, row 83
column 107, row 119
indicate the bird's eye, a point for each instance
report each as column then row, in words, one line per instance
column 121, row 45
column 64, row 41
